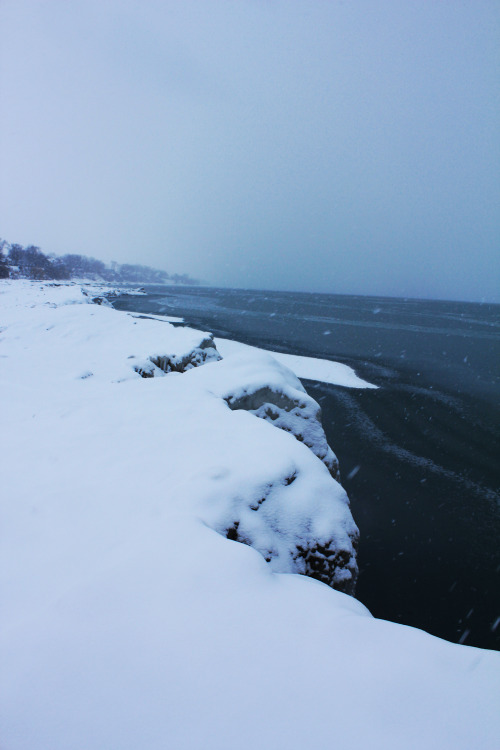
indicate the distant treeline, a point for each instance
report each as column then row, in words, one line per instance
column 18, row 262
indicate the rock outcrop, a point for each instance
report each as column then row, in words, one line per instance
column 293, row 411
column 160, row 364
column 299, row 520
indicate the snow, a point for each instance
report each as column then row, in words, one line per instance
column 254, row 380
column 307, row 368
column 127, row 621
column 163, row 318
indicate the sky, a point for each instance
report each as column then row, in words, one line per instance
column 347, row 147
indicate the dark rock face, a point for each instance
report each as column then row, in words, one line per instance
column 332, row 562
column 101, row 301
column 325, row 561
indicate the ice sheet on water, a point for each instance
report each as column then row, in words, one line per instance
column 308, row 368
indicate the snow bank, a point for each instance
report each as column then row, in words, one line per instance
column 88, row 340
column 126, row 620
column 305, row 528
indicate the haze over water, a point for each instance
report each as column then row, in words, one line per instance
column 347, row 147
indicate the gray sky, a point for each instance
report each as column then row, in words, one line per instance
column 314, row 145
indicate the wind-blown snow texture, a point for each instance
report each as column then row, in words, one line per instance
column 126, row 620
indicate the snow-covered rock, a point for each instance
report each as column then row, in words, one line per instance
column 255, row 381
column 298, row 517
column 160, row 364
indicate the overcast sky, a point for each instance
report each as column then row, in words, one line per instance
column 314, row 145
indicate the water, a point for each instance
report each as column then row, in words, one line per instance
column 418, row 457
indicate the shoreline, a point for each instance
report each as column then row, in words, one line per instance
column 120, row 596
column 424, row 494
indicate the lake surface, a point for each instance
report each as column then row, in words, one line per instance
column 419, row 457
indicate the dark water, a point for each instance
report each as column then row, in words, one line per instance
column 419, row 457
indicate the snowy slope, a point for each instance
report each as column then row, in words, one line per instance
column 127, row 620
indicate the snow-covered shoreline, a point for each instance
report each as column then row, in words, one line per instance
column 126, row 620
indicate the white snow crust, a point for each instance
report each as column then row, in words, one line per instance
column 127, row 621
column 307, row 368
